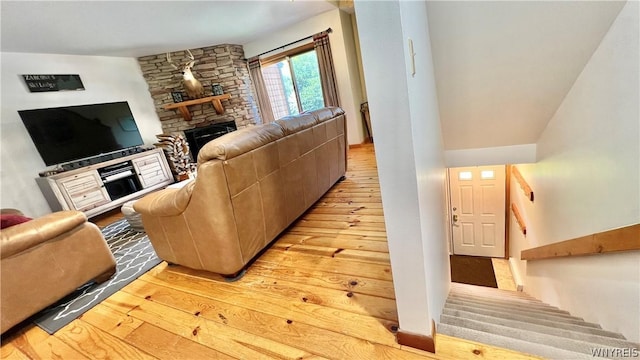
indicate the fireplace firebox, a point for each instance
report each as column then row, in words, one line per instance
column 198, row 137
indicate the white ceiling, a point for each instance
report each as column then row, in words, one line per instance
column 502, row 67
column 137, row 28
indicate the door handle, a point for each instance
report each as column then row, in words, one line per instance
column 455, row 218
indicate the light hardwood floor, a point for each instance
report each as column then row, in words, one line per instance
column 323, row 290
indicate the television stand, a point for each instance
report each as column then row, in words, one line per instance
column 100, row 187
column 101, row 158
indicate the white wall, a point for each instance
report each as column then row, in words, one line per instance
column 345, row 60
column 409, row 155
column 429, row 154
column 503, row 67
column 587, row 180
column 356, row 40
column 106, row 79
column 499, row 155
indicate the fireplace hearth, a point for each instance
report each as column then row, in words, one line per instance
column 198, row 137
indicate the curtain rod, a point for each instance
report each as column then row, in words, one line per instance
column 293, row 42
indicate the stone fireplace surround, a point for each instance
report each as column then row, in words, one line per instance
column 219, row 64
column 199, row 136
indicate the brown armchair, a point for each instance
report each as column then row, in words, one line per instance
column 47, row 258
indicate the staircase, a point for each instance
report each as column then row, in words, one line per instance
column 517, row 321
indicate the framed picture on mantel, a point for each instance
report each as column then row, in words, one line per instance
column 216, row 89
column 177, row 96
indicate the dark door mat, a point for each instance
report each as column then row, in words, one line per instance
column 472, row 270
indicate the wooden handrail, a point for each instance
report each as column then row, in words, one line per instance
column 523, row 184
column 519, row 219
column 623, row 239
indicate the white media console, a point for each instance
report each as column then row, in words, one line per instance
column 98, row 188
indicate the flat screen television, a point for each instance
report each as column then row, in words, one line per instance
column 69, row 133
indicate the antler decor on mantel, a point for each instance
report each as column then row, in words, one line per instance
column 191, row 85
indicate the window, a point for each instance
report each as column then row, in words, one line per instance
column 293, row 82
column 487, row 174
column 465, row 175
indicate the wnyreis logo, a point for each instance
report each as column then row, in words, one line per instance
column 631, row 353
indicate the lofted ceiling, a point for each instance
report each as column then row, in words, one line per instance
column 138, row 28
column 502, row 68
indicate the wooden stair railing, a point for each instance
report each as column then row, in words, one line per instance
column 623, row 239
column 519, row 219
column 523, row 184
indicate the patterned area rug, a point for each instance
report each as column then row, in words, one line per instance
column 134, row 257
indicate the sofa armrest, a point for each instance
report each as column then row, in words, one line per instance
column 167, row 202
column 21, row 237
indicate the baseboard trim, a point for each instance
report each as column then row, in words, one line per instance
column 418, row 341
column 516, row 275
column 366, row 141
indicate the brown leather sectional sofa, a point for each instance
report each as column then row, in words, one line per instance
column 251, row 185
column 47, row 258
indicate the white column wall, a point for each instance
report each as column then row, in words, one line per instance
column 404, row 116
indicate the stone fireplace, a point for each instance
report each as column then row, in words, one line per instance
column 221, row 64
column 199, row 136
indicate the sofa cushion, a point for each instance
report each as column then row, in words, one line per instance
column 326, row 113
column 293, row 124
column 239, row 142
column 165, row 203
column 34, row 232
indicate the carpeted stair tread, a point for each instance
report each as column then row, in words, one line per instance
column 524, row 299
column 537, row 306
column 490, row 292
column 515, row 307
column 516, row 321
column 578, row 346
column 617, row 340
column 498, row 311
column 497, row 296
column 510, row 343
column 516, row 310
column 531, row 304
column 521, row 309
column 496, row 317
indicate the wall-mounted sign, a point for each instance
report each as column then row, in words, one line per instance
column 40, row 83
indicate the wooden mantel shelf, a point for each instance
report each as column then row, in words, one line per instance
column 184, row 110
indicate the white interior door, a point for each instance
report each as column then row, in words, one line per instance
column 478, row 210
